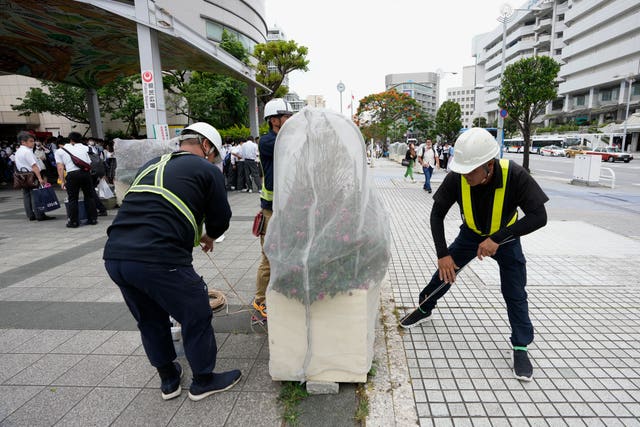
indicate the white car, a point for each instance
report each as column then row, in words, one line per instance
column 552, row 150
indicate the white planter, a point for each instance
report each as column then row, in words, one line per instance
column 336, row 347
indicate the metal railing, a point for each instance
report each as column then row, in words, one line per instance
column 611, row 177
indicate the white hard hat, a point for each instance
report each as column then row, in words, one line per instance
column 277, row 107
column 208, row 131
column 473, row 148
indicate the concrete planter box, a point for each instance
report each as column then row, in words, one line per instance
column 336, row 345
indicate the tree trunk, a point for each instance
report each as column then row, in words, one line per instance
column 526, row 135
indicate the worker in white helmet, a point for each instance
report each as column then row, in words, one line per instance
column 276, row 113
column 489, row 192
column 149, row 256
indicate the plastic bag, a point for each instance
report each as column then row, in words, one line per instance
column 104, row 191
column 328, row 240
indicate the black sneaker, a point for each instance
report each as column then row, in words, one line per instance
column 170, row 386
column 46, row 218
column 215, row 383
column 72, row 225
column 522, row 366
column 414, row 318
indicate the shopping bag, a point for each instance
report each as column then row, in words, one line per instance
column 258, row 224
column 104, row 191
column 45, row 199
column 405, row 162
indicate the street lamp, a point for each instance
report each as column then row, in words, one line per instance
column 340, row 88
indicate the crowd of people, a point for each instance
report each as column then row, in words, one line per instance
column 52, row 162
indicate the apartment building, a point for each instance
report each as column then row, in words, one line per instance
column 596, row 42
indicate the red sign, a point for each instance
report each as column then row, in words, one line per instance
column 147, row 76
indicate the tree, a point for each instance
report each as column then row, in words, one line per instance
column 59, row 99
column 276, row 59
column 122, row 99
column 527, row 86
column 448, row 123
column 480, row 122
column 379, row 111
column 234, row 46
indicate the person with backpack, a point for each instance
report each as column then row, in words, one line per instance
column 98, row 171
column 428, row 160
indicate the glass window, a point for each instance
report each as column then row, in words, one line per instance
column 580, row 100
column 214, row 31
column 635, row 89
column 605, row 95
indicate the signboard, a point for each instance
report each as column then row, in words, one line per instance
column 161, row 132
column 503, row 113
column 148, row 90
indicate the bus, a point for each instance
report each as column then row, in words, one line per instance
column 516, row 145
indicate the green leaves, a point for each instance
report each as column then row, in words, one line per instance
column 379, row 112
column 58, row 99
column 276, row 59
column 448, row 123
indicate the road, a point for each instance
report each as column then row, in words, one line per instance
column 616, row 209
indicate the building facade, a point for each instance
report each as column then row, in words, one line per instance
column 465, row 95
column 596, row 42
column 423, row 87
column 207, row 18
column 316, row 101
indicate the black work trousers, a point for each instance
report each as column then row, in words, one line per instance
column 513, row 279
column 76, row 181
column 153, row 292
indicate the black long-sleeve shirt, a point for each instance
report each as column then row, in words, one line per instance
column 522, row 192
column 149, row 228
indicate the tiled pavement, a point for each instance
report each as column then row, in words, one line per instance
column 70, row 353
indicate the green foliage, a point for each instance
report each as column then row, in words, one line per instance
column 448, row 123
column 362, row 410
column 291, row 394
column 480, row 122
column 527, row 86
column 236, row 132
column 276, row 59
column 122, row 99
column 389, row 113
column 59, row 99
column 231, row 44
column 557, row 129
column 216, row 99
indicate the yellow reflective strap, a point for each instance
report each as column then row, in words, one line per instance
column 498, row 203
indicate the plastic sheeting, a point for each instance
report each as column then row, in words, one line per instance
column 328, row 240
column 132, row 154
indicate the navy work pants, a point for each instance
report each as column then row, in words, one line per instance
column 155, row 291
column 428, row 171
column 513, row 279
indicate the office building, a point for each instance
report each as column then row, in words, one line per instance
column 423, row 87
column 465, row 96
column 317, row 101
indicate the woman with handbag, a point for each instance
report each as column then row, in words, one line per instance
column 409, row 160
column 27, row 161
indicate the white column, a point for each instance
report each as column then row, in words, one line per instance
column 591, row 97
column 254, row 121
column 95, row 121
column 151, row 70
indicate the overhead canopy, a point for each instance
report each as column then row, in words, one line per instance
column 79, row 43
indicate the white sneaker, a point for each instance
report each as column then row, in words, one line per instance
column 220, row 239
column 413, row 181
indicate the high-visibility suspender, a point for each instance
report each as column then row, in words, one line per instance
column 498, row 203
column 158, row 188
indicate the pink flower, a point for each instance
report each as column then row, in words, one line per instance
column 345, row 238
column 320, row 296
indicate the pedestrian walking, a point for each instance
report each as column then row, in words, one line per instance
column 429, row 160
column 149, row 256
column 489, row 192
column 26, row 160
column 410, row 158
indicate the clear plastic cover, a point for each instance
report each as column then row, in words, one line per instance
column 327, row 243
column 131, row 154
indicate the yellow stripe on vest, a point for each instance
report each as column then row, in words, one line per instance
column 498, row 203
column 158, row 188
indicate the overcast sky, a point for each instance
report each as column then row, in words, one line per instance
column 361, row 41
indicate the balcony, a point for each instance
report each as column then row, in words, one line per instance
column 543, row 24
column 543, row 40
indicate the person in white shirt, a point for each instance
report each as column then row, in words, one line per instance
column 428, row 159
column 250, row 154
column 25, row 159
column 76, row 179
column 236, row 153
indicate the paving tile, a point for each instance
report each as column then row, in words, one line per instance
column 84, row 342
column 13, row 338
column 12, row 364
column 239, row 346
column 47, row 407
column 12, row 397
column 135, row 371
column 45, row 370
column 148, row 408
column 101, row 406
column 122, row 342
column 211, row 411
column 90, row 371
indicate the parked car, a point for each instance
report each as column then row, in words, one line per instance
column 552, row 150
column 576, row 149
column 611, row 154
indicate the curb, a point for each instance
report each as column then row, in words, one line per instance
column 390, row 391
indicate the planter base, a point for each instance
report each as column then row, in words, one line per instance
column 340, row 337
